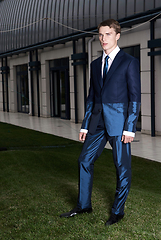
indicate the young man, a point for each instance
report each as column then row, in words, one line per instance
column 113, row 106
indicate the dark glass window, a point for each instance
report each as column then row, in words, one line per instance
column 22, row 89
column 59, row 88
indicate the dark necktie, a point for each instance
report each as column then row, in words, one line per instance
column 105, row 69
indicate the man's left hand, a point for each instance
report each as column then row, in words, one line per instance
column 127, row 139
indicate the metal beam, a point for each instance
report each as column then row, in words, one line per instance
column 154, row 43
column 152, row 64
column 155, row 53
column 3, row 88
column 38, row 93
column 75, row 85
column 32, row 88
column 84, row 73
column 7, row 98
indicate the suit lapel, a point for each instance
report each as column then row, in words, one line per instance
column 114, row 65
column 99, row 72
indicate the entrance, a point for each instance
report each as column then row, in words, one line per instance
column 59, row 88
column 22, row 89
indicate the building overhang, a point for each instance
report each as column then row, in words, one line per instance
column 127, row 22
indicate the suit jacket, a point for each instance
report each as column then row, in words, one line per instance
column 118, row 99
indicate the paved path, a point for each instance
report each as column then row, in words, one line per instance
column 144, row 145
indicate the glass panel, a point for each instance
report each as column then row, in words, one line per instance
column 59, row 83
column 22, row 89
column 51, row 96
column 62, row 92
column 25, row 94
column 128, row 50
column 56, row 95
column 18, row 94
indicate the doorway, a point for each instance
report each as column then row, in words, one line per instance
column 22, row 89
column 59, row 88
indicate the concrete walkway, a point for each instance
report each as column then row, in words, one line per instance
column 144, row 145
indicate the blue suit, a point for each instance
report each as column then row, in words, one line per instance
column 111, row 108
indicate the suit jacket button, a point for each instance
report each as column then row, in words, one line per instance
column 100, row 110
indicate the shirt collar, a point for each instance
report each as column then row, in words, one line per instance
column 112, row 55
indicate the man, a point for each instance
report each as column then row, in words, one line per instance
column 113, row 106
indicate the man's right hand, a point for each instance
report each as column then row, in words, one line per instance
column 82, row 136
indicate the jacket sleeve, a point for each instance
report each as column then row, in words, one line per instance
column 89, row 105
column 134, row 95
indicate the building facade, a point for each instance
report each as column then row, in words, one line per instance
column 46, row 48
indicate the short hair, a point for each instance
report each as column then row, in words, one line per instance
column 112, row 24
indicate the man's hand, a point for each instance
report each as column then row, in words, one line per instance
column 82, row 136
column 127, row 139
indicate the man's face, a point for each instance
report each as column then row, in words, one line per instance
column 108, row 39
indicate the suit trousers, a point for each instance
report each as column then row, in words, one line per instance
column 92, row 148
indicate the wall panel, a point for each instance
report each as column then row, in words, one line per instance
column 121, row 9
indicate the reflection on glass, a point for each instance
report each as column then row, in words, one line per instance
column 62, row 92
column 56, row 98
column 59, row 88
column 22, row 89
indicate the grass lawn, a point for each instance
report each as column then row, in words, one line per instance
column 38, row 182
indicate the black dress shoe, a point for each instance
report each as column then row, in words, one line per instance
column 113, row 219
column 76, row 211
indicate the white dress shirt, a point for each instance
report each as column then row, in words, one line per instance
column 112, row 55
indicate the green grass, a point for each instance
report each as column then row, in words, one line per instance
column 38, row 182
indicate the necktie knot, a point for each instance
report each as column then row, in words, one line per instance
column 106, row 58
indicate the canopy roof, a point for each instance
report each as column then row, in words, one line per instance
column 27, row 23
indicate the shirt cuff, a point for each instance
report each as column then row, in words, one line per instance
column 84, row 130
column 130, row 134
